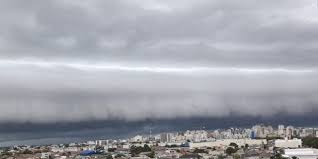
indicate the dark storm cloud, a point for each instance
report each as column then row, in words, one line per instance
column 221, row 32
column 117, row 59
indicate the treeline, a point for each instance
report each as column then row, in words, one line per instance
column 135, row 150
column 310, row 142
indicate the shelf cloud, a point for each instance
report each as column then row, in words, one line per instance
column 150, row 59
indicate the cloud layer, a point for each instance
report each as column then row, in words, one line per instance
column 132, row 60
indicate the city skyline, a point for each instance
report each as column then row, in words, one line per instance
column 29, row 134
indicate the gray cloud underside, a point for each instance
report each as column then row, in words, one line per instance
column 117, row 59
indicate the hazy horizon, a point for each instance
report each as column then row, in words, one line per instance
column 63, row 132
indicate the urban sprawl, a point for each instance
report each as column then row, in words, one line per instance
column 260, row 141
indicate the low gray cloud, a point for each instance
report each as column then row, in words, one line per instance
column 132, row 60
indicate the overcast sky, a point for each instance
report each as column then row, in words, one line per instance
column 80, row 60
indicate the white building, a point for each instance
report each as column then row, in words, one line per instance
column 137, row 138
column 102, row 142
column 57, row 149
column 45, row 155
column 106, row 147
column 262, row 131
column 281, row 130
column 166, row 137
column 294, row 143
column 71, row 149
column 91, row 142
column 305, row 153
column 289, row 131
column 226, row 142
column 170, row 143
column 168, row 154
column 126, row 146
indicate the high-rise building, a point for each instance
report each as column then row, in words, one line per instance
column 281, row 130
column 165, row 137
column 289, row 131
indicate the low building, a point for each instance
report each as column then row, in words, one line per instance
column 45, row 155
column 226, row 142
column 57, row 149
column 170, row 144
column 71, row 149
column 303, row 153
column 137, row 138
column 285, row 143
column 169, row 153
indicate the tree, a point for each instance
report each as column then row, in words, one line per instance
column 278, row 156
column 221, row 157
column 111, row 149
column 230, row 150
column 27, row 151
column 151, row 154
column 135, row 150
column 234, row 145
column 119, row 155
column 146, row 148
column 310, row 142
column 236, row 156
column 109, row 156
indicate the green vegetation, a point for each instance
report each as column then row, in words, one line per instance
column 230, row 150
column 5, row 154
column 221, row 157
column 109, row 156
column 236, row 156
column 310, row 142
column 200, row 151
column 151, row 154
column 273, row 138
column 171, row 146
column 234, row 145
column 278, row 156
column 120, row 155
column 111, row 149
column 27, row 151
column 135, row 150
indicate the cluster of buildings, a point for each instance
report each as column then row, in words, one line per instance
column 259, row 141
column 261, row 131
